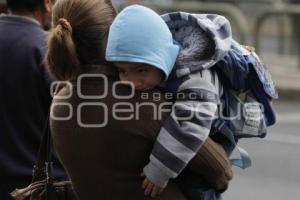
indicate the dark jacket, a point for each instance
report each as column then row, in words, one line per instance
column 24, row 95
column 105, row 162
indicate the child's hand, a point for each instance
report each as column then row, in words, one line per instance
column 249, row 48
column 150, row 188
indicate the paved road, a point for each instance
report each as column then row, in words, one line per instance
column 275, row 174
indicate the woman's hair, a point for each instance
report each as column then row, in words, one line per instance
column 79, row 36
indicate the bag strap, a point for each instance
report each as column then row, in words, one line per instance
column 43, row 167
column 245, row 161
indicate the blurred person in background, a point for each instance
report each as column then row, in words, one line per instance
column 24, row 89
column 2, row 7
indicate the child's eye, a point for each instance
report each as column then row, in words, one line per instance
column 142, row 70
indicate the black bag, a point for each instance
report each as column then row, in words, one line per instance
column 43, row 185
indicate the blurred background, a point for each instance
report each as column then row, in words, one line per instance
column 273, row 28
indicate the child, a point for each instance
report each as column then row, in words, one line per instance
column 142, row 47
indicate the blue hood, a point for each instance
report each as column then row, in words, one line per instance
column 140, row 35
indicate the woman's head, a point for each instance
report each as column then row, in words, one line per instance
column 78, row 36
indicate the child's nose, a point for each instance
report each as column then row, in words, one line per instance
column 136, row 82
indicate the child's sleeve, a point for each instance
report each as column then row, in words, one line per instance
column 186, row 128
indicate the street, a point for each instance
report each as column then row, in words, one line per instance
column 275, row 171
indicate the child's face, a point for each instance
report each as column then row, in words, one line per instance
column 143, row 76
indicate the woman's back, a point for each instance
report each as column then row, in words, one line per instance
column 106, row 162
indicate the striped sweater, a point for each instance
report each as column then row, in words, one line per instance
column 204, row 39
